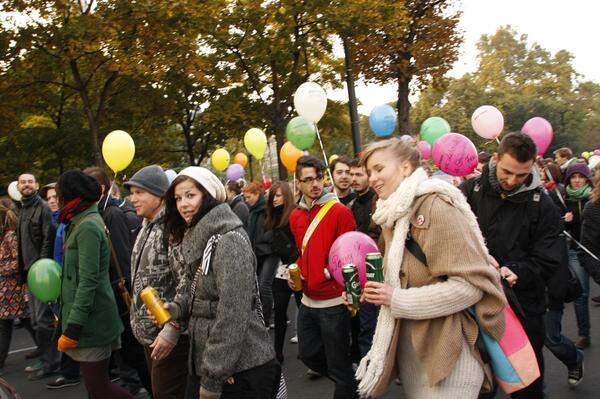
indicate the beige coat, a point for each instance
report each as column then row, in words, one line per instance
column 451, row 249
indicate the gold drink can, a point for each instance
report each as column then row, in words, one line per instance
column 155, row 305
column 295, row 273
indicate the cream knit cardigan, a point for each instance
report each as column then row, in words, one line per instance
column 394, row 213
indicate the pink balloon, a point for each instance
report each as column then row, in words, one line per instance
column 425, row 149
column 351, row 247
column 455, row 154
column 540, row 131
column 597, row 152
column 487, row 121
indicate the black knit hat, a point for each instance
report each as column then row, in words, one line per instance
column 76, row 184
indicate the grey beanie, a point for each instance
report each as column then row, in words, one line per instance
column 150, row 178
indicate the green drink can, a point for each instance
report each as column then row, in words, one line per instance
column 352, row 285
column 374, row 266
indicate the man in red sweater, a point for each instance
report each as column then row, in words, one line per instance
column 323, row 320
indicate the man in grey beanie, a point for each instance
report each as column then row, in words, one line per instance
column 166, row 349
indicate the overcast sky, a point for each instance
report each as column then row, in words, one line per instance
column 573, row 25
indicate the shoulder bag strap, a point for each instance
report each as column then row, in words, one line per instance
column 315, row 222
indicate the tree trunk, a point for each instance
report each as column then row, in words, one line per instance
column 189, row 145
column 92, row 119
column 403, row 105
column 279, row 125
column 354, row 121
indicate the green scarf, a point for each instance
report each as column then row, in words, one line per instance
column 579, row 194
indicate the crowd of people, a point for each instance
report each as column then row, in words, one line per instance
column 520, row 230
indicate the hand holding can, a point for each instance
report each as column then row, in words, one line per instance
column 155, row 306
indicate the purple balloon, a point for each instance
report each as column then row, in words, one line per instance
column 235, row 171
column 425, row 149
column 351, row 247
column 540, row 131
column 455, row 154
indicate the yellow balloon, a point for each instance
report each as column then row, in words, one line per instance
column 256, row 142
column 220, row 159
column 332, row 158
column 118, row 150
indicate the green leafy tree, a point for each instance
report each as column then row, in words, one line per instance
column 417, row 47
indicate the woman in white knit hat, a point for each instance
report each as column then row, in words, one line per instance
column 231, row 354
column 424, row 333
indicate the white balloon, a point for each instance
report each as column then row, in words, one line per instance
column 310, row 101
column 13, row 191
column 593, row 161
column 487, row 121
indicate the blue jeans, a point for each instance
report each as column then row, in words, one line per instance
column 581, row 304
column 324, row 346
column 368, row 321
column 561, row 347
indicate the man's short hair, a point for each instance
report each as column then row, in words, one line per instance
column 343, row 159
column 484, row 157
column 355, row 163
column 564, row 152
column 101, row 175
column 518, row 145
column 309, row 161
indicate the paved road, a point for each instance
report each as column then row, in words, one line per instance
column 300, row 387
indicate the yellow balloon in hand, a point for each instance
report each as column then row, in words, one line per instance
column 256, row 142
column 118, row 150
column 220, row 159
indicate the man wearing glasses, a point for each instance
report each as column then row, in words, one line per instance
column 323, row 320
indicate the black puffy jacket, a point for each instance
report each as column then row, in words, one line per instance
column 590, row 238
column 530, row 248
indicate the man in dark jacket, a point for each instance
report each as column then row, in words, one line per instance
column 521, row 227
column 362, row 209
column 130, row 358
column 35, row 235
column 340, row 170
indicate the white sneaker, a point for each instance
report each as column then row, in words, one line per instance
column 294, row 339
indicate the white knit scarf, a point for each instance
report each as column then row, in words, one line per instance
column 395, row 212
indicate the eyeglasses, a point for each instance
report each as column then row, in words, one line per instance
column 311, row 180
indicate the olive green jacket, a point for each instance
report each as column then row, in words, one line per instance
column 87, row 298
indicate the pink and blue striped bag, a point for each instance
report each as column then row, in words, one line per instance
column 512, row 358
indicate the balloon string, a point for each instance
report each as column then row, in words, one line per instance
column 326, row 161
column 109, row 191
column 497, row 140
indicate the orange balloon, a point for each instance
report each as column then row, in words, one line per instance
column 289, row 156
column 241, row 159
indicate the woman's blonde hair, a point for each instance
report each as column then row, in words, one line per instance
column 404, row 151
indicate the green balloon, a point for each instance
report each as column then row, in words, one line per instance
column 44, row 280
column 433, row 128
column 301, row 133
